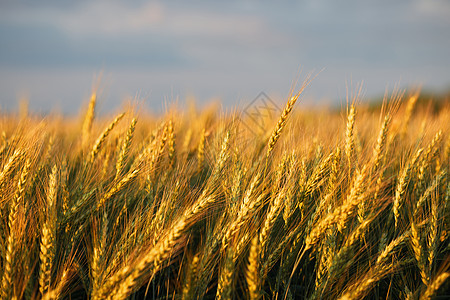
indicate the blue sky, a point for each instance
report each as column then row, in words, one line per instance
column 158, row 52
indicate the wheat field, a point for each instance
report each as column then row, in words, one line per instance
column 322, row 204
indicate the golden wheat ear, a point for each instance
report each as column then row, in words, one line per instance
column 171, row 144
column 252, row 272
column 125, row 147
column 434, row 286
column 349, row 136
column 11, row 243
column 48, row 235
column 283, row 118
column 101, row 139
column 201, row 151
column 225, row 283
column 88, row 120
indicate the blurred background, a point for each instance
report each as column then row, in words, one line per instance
column 55, row 52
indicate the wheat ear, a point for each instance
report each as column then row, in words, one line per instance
column 432, row 241
column 88, row 119
column 381, row 142
column 191, row 274
column 125, row 147
column 4, row 142
column 357, row 290
column 101, row 139
column 271, row 217
column 314, row 182
column 282, row 121
column 349, row 134
column 401, row 186
column 171, row 144
column 252, row 272
column 125, row 279
column 223, row 155
column 225, row 283
column 8, row 266
column 430, row 189
column 376, row 272
column 425, row 161
column 334, row 170
column 416, row 243
column 48, row 238
column 98, row 255
column 340, row 258
column 201, row 151
column 446, row 150
column 389, row 249
column 10, row 165
column 56, row 292
column 435, row 285
column 116, row 188
column 247, row 209
column 280, row 173
column 341, row 214
column 408, row 112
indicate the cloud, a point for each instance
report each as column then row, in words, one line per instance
column 433, row 9
column 233, row 46
column 111, row 18
column 89, row 17
column 116, row 18
column 147, row 34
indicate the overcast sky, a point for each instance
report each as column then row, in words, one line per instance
column 52, row 51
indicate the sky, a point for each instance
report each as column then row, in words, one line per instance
column 54, row 53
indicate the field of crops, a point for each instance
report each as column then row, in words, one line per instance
column 316, row 205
